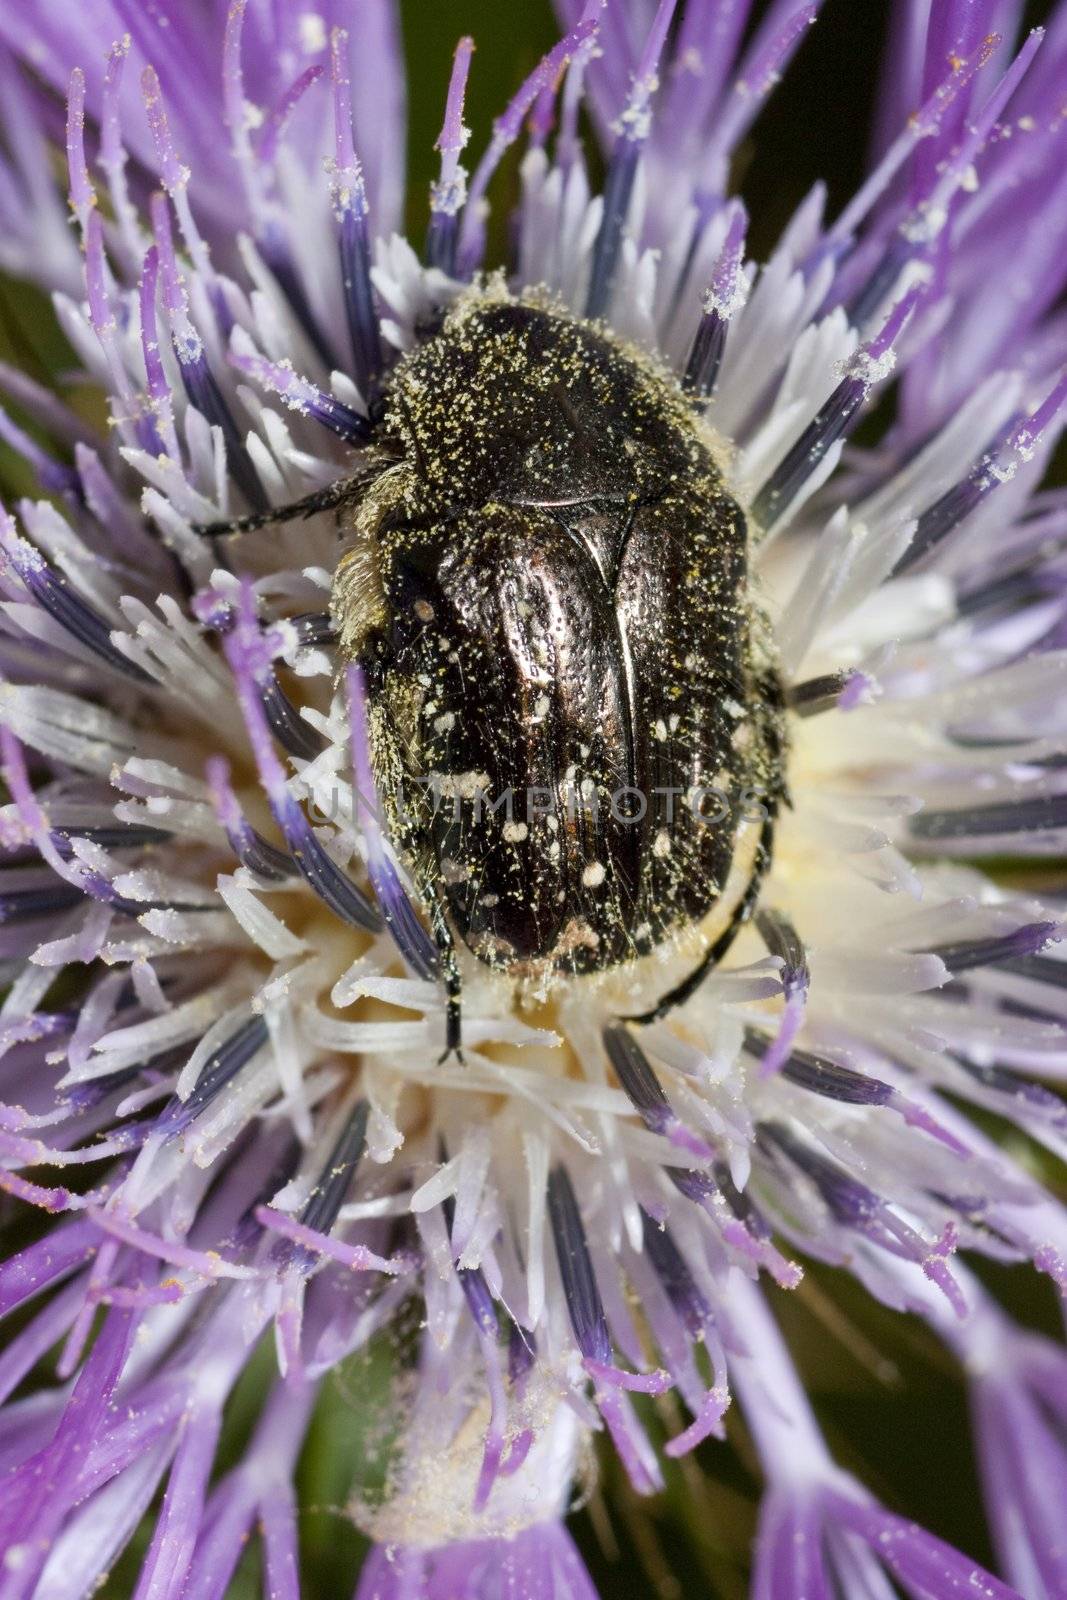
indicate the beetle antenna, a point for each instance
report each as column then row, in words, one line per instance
column 339, row 493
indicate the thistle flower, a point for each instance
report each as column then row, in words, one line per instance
column 222, row 995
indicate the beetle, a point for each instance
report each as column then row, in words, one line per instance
column 545, row 582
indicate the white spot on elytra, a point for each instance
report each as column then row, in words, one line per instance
column 515, row 832
column 661, row 844
column 593, row 875
column 460, row 785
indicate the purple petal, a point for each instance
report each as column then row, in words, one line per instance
column 41, row 1491
column 790, row 1562
column 930, row 1568
column 541, row 1563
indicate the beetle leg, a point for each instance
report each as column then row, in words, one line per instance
column 454, row 1026
column 711, row 958
column 446, row 947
